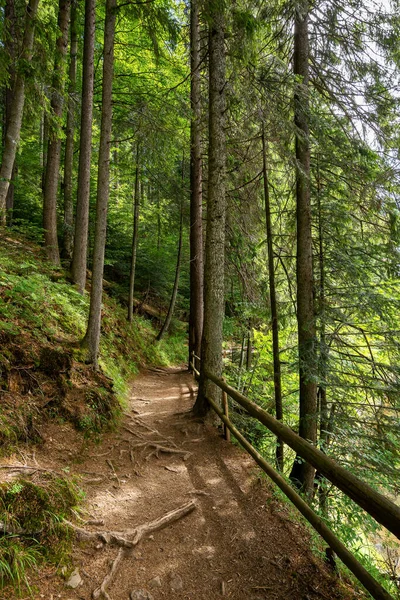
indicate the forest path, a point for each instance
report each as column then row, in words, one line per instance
column 238, row 543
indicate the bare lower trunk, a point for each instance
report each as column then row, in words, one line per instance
column 214, row 296
column 79, row 256
column 196, row 198
column 92, row 337
column 134, row 237
column 303, row 473
column 274, row 308
column 54, row 147
column 16, row 112
column 44, row 142
column 10, row 46
column 69, row 143
column 249, row 350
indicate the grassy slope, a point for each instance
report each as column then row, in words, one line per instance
column 42, row 369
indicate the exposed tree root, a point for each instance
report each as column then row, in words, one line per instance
column 122, row 539
column 101, row 591
column 157, row 448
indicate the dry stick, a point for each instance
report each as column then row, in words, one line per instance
column 120, row 538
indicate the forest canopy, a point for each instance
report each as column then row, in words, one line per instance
column 234, row 166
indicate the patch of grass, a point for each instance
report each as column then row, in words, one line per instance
column 31, row 514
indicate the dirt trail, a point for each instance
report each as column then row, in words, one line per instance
column 239, row 543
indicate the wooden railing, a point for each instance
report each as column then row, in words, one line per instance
column 375, row 504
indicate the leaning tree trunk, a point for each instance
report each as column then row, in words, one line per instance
column 69, row 142
column 214, row 297
column 302, row 473
column 79, row 255
column 92, row 336
column 17, row 109
column 274, row 308
column 196, row 199
column 54, row 148
column 136, row 206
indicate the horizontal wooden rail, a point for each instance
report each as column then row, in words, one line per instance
column 370, row 584
column 375, row 504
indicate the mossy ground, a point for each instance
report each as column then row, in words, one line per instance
column 32, row 509
column 42, row 366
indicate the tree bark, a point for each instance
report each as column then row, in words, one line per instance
column 92, row 336
column 249, row 349
column 302, row 473
column 214, row 297
column 79, row 255
column 274, row 308
column 10, row 46
column 171, row 308
column 196, row 315
column 69, row 143
column 136, row 206
column 54, row 147
column 17, row 109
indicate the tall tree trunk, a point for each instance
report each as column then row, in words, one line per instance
column 92, row 337
column 54, row 148
column 249, row 350
column 69, row 142
column 274, row 308
column 196, row 197
column 323, row 354
column 323, row 349
column 171, row 308
column 17, row 109
column 79, row 255
column 302, row 473
column 136, row 204
column 10, row 46
column 214, row 297
column 44, row 142
column 158, row 220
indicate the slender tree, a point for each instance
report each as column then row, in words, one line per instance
column 54, row 147
column 79, row 256
column 214, row 298
column 175, row 287
column 69, row 142
column 196, row 201
column 273, row 303
column 10, row 46
column 136, row 206
column 303, row 473
column 92, row 337
column 17, row 109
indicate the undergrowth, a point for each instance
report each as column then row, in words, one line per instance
column 31, row 518
column 42, row 365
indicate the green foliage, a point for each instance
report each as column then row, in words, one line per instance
column 31, row 513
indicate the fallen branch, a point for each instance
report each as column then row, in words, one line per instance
column 121, row 539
